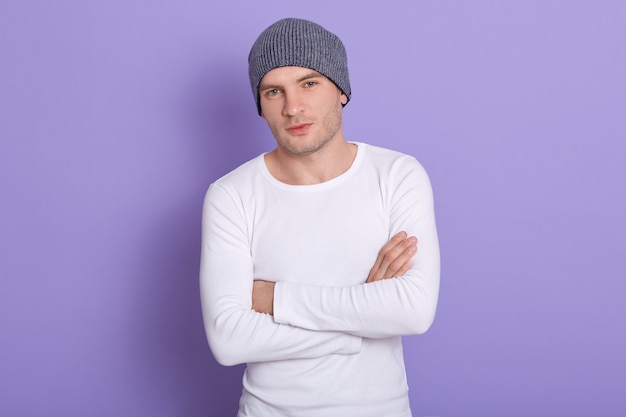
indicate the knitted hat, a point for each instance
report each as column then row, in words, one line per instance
column 300, row 43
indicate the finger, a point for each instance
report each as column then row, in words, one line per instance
column 377, row 272
column 396, row 268
column 396, row 240
column 388, row 250
column 404, row 269
column 392, row 262
column 397, row 256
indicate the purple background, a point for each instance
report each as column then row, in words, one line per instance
column 116, row 115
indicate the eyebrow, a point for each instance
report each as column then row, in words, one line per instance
column 307, row 76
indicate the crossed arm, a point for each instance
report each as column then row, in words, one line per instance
column 393, row 260
column 308, row 321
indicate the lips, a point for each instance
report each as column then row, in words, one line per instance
column 299, row 129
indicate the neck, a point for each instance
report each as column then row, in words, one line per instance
column 323, row 165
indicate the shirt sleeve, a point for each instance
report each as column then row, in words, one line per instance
column 391, row 307
column 236, row 333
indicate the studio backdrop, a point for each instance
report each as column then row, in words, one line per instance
column 115, row 116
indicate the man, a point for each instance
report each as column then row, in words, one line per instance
column 310, row 271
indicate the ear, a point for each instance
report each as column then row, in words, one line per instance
column 344, row 99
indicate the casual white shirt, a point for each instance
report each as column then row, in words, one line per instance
column 333, row 347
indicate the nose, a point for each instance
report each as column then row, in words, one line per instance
column 292, row 105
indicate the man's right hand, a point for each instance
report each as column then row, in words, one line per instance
column 394, row 259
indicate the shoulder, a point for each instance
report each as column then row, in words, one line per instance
column 402, row 180
column 241, row 175
column 391, row 162
column 236, row 184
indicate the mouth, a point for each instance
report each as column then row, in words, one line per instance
column 299, row 129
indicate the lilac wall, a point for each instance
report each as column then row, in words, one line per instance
column 116, row 115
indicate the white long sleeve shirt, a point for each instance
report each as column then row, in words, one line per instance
column 333, row 346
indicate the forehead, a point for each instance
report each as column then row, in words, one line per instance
column 286, row 75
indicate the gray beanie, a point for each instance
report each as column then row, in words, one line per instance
column 300, row 43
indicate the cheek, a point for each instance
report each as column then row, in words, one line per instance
column 269, row 109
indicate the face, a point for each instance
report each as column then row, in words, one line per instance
column 303, row 109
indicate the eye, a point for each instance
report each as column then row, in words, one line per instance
column 272, row 92
column 310, row 84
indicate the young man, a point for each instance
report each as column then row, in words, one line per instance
column 310, row 271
